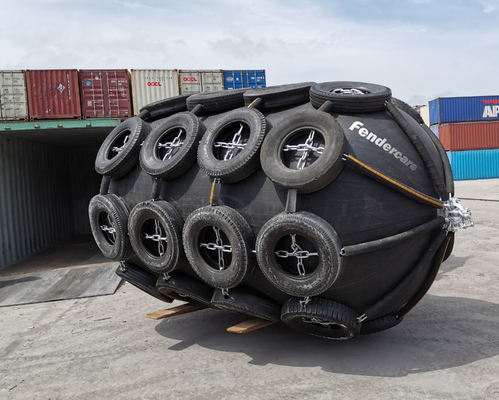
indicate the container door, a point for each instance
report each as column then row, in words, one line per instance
column 212, row 81
column 151, row 85
column 190, row 82
column 13, row 102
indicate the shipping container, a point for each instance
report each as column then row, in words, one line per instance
column 106, row 93
column 424, row 111
column 13, row 101
column 470, row 136
column 435, row 129
column 474, row 164
column 47, row 178
column 254, row 79
column 151, row 85
column 53, row 94
column 198, row 81
column 446, row 110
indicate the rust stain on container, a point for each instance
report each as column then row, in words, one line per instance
column 105, row 93
column 470, row 136
column 53, row 94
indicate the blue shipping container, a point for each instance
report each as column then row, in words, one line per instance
column 464, row 109
column 474, row 164
column 239, row 79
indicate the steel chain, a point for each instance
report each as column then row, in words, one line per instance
column 170, row 146
column 119, row 149
column 306, row 148
column 234, row 144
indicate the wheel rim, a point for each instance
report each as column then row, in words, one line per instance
column 303, row 147
column 118, row 144
column 352, row 91
column 107, row 227
column 323, row 323
column 302, row 260
column 215, row 248
column 153, row 238
column 231, row 141
column 169, row 144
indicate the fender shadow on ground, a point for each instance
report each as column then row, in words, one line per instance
column 440, row 333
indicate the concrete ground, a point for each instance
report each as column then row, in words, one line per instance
column 105, row 348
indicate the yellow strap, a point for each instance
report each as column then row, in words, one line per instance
column 212, row 191
column 438, row 203
column 258, row 98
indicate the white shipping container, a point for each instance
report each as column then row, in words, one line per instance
column 151, row 85
column 197, row 81
column 13, row 99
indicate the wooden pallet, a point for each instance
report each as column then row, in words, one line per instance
column 243, row 327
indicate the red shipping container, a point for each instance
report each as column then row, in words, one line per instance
column 53, row 94
column 105, row 93
column 470, row 136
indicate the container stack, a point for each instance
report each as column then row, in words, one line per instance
column 468, row 127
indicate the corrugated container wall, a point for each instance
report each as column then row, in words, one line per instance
column 470, row 136
column 13, row 100
column 105, row 93
column 474, row 164
column 253, row 79
column 446, row 110
column 151, row 85
column 198, row 81
column 34, row 207
column 53, row 94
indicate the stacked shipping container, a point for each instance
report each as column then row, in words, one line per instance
column 468, row 127
column 73, row 94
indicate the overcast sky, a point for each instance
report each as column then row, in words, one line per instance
column 421, row 49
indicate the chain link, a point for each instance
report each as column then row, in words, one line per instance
column 348, row 91
column 158, row 238
column 219, row 247
column 298, row 253
column 320, row 321
column 170, row 146
column 119, row 149
column 234, row 144
column 306, row 148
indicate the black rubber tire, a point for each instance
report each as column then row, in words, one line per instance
column 112, row 240
column 380, row 324
column 106, row 163
column 315, row 235
column 372, row 99
column 141, row 280
column 247, row 302
column 150, row 216
column 321, row 317
column 198, row 227
column 319, row 173
column 216, row 102
column 183, row 126
column 254, row 128
column 164, row 108
column 403, row 106
column 279, row 96
column 183, row 287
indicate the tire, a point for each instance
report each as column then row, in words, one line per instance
column 321, row 317
column 183, row 287
column 380, row 324
column 141, row 280
column 309, row 237
column 108, row 216
column 216, row 102
column 403, row 106
column 279, row 96
column 119, row 152
column 155, row 229
column 164, row 108
column 213, row 264
column 369, row 97
column 247, row 302
column 450, row 247
column 323, row 162
column 170, row 150
column 251, row 127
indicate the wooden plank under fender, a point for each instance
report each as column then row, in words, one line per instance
column 250, row 325
column 174, row 311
